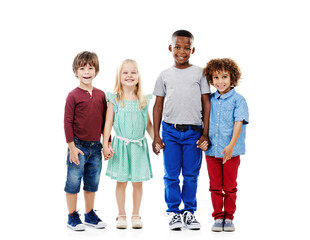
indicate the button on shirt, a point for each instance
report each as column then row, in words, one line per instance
column 225, row 111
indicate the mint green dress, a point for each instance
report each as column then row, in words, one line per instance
column 131, row 160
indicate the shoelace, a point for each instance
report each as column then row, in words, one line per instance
column 228, row 221
column 94, row 216
column 175, row 218
column 76, row 217
column 190, row 218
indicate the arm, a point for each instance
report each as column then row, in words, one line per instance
column 74, row 153
column 228, row 150
column 203, row 142
column 149, row 126
column 107, row 149
column 157, row 116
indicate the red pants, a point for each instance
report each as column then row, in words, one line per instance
column 223, row 186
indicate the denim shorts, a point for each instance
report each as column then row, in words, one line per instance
column 89, row 168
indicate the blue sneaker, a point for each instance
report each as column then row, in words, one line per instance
column 190, row 221
column 91, row 219
column 218, row 225
column 229, row 226
column 74, row 222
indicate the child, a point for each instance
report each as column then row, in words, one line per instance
column 127, row 112
column 228, row 119
column 84, row 121
column 184, row 133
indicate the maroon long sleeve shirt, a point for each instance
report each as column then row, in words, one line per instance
column 85, row 115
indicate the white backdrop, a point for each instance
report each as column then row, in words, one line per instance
column 39, row 39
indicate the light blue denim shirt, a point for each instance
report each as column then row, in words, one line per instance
column 225, row 111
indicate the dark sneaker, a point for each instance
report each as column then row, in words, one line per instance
column 91, row 219
column 190, row 221
column 218, row 225
column 74, row 222
column 175, row 221
column 229, row 226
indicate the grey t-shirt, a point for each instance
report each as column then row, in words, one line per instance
column 182, row 89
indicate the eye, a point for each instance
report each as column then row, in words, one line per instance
column 81, row 68
column 133, row 72
column 177, row 48
column 125, row 72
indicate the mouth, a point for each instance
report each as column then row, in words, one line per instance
column 87, row 78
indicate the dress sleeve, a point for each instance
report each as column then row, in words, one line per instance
column 112, row 98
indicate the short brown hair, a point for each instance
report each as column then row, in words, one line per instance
column 223, row 64
column 84, row 58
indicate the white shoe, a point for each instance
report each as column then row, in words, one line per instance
column 137, row 223
column 175, row 221
column 121, row 224
column 190, row 221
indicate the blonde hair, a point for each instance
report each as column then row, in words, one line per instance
column 118, row 89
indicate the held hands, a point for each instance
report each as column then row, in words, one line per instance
column 157, row 145
column 203, row 143
column 108, row 151
column 74, row 155
column 228, row 150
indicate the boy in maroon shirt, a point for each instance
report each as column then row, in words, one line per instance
column 84, row 120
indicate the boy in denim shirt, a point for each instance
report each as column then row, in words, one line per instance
column 185, row 91
column 84, row 120
column 228, row 119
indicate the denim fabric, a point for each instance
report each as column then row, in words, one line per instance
column 89, row 168
column 181, row 154
column 225, row 111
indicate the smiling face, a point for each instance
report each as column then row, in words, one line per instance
column 129, row 75
column 181, row 50
column 221, row 81
column 86, row 74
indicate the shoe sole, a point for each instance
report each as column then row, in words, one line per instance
column 191, row 227
column 176, row 226
column 215, row 229
column 79, row 227
column 103, row 225
column 229, row 229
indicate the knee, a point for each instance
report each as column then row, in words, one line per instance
column 137, row 185
column 121, row 185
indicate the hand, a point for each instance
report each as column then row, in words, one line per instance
column 74, row 155
column 157, row 145
column 228, row 150
column 107, row 151
column 203, row 143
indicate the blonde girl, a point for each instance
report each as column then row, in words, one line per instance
column 129, row 157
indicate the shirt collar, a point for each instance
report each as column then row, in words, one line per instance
column 226, row 95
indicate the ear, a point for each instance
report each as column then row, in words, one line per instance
column 170, row 48
column 193, row 50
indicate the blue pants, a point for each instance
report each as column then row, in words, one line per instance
column 181, row 154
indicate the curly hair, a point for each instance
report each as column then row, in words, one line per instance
column 220, row 65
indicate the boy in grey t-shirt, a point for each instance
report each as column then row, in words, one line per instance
column 185, row 91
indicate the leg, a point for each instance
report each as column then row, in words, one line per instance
column 92, row 170
column 190, row 169
column 230, row 172
column 172, row 164
column 89, row 201
column 71, row 202
column 216, row 185
column 120, row 198
column 137, row 197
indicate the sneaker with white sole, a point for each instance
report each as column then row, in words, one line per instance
column 74, row 222
column 218, row 225
column 229, row 226
column 175, row 221
column 189, row 221
column 91, row 219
